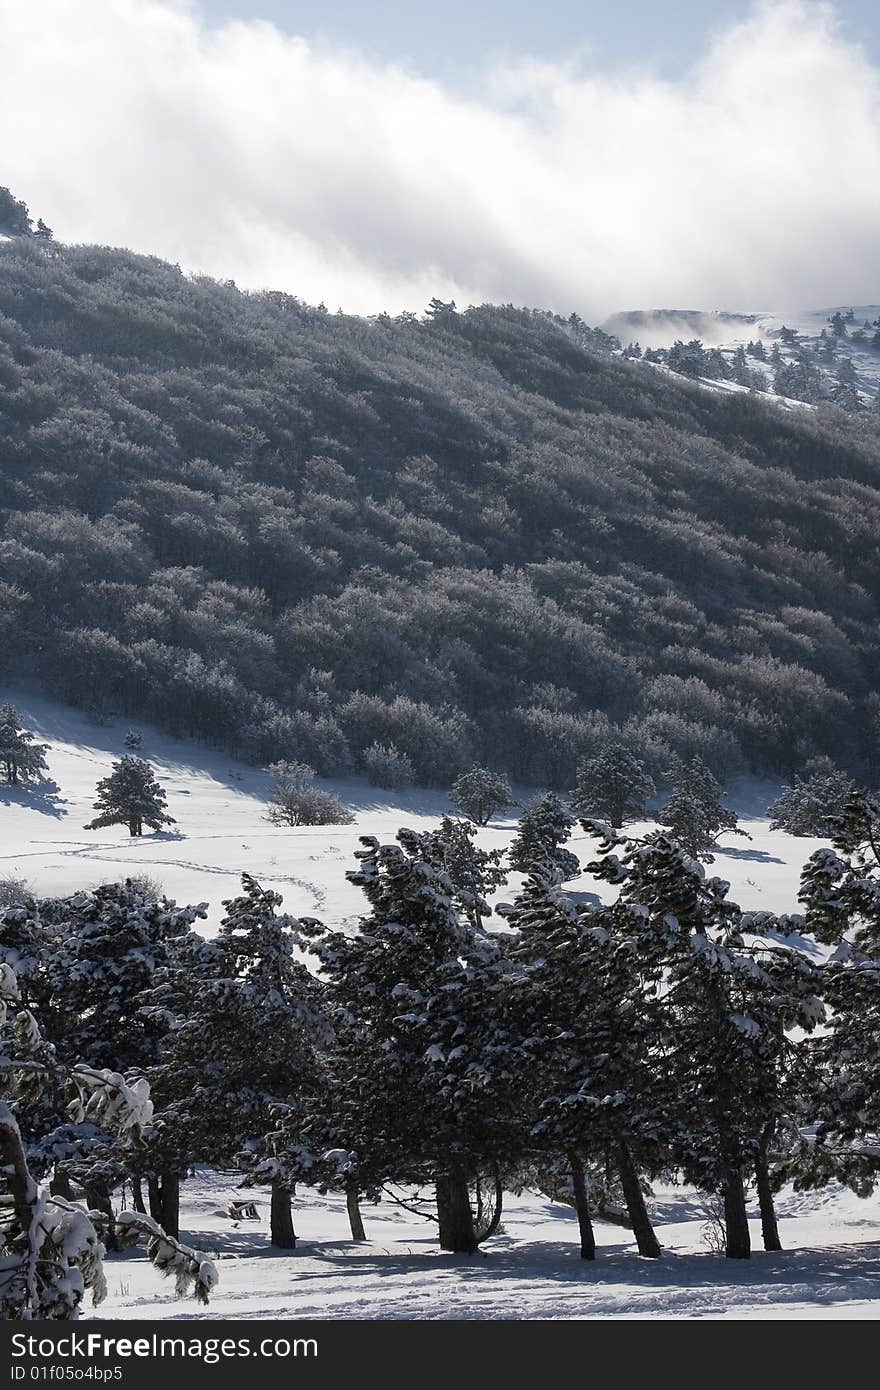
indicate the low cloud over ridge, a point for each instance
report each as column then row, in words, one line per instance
column 751, row 182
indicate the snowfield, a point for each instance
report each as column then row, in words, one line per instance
column 831, row 1264
column 829, row 1268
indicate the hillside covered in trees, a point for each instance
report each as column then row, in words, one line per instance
column 477, row 535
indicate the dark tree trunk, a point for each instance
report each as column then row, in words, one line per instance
column 736, row 1224
column 137, row 1195
column 456, row 1219
column 582, row 1207
column 495, row 1219
column 282, row 1234
column 170, row 1220
column 769, row 1227
column 154, row 1197
column 60, row 1186
column 355, row 1220
column 646, row 1238
column 163, row 1195
column 98, row 1199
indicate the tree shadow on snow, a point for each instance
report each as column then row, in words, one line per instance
column 43, row 797
column 757, row 856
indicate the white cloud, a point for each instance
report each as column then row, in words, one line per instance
column 754, row 181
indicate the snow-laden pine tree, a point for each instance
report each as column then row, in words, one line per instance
column 131, row 796
column 840, row 890
column 424, row 1048
column 246, row 1023
column 22, row 759
column 539, row 844
column 732, row 993
column 481, row 794
column 612, row 785
column 694, row 814
column 475, row 873
column 812, row 800
column 84, row 963
column 588, row 1014
column 52, row 1246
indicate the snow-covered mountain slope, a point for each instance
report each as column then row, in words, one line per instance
column 660, row 328
column 219, row 805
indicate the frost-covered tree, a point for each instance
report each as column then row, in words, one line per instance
column 587, row 1012
column 22, row 759
column 813, row 798
column 734, row 987
column 295, row 800
column 416, row 998
column 133, row 739
column 840, row 890
column 246, row 1020
column 538, row 848
column 694, row 814
column 51, row 1246
column 386, row 766
column 84, row 963
column 131, row 795
column 612, row 785
column 14, row 216
column 481, row 794
column 474, row 873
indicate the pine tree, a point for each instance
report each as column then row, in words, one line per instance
column 840, row 889
column 731, row 998
column 52, row 1247
column 416, row 999
column 474, row 872
column 131, row 796
column 694, row 814
column 247, row 1021
column 481, row 794
column 85, row 962
column 812, row 800
column 538, row 846
column 587, row 1012
column 21, row 757
column 612, row 785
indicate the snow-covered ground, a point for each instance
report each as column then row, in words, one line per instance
column 831, row 1264
column 829, row 1268
column 219, row 805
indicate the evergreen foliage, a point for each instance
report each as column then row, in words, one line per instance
column 812, row 801
column 22, row 759
column 613, row 785
column 132, row 796
column 481, row 794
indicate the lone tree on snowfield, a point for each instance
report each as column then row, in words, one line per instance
column 480, row 794
column 131, row 796
column 21, row 757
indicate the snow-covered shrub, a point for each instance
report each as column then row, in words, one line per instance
column 295, row 801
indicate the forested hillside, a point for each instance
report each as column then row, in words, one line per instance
column 478, row 535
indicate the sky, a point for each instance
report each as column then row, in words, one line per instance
column 576, row 156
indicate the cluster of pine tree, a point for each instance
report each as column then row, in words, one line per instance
column 665, row 1032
